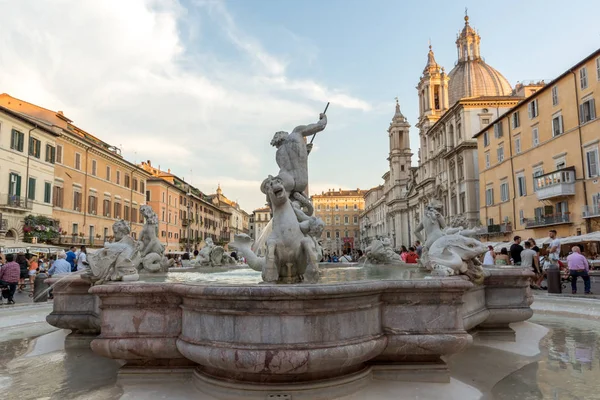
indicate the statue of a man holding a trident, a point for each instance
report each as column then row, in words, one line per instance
column 292, row 159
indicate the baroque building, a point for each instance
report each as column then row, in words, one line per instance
column 452, row 108
column 539, row 160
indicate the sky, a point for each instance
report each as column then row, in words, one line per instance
column 201, row 86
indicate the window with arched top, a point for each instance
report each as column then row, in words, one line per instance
column 451, row 135
column 458, row 131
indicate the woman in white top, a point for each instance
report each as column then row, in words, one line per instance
column 82, row 259
column 490, row 256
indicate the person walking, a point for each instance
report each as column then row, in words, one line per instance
column 418, row 248
column 554, row 248
column 530, row 260
column 10, row 274
column 61, row 265
column 71, row 258
column 82, row 262
column 33, row 266
column 578, row 267
column 502, row 258
column 515, row 250
column 24, row 270
column 490, row 256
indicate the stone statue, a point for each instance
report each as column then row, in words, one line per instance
column 312, row 227
column 212, row 256
column 291, row 255
column 446, row 251
column 380, row 252
column 152, row 251
column 117, row 261
column 292, row 159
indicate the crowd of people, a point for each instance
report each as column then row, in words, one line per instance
column 527, row 254
column 409, row 255
column 19, row 271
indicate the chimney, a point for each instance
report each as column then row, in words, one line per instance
column 169, row 170
column 60, row 112
column 148, row 161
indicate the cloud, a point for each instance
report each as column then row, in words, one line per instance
column 127, row 72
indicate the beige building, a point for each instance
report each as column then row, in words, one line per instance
column 373, row 220
column 93, row 185
column 239, row 219
column 539, row 161
column 339, row 210
column 27, row 160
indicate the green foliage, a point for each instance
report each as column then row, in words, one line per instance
column 40, row 227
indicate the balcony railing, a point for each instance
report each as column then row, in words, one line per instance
column 495, row 229
column 548, row 220
column 591, row 211
column 10, row 200
column 555, row 184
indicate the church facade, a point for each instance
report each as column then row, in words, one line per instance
column 452, row 108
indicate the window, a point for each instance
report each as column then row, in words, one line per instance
column 346, row 207
column 47, row 192
column 118, row 177
column 557, row 125
column 31, row 189
column 77, row 201
column 554, row 95
column 328, row 235
column 134, row 215
column 35, row 147
column 486, row 139
column 337, row 208
column 75, row 229
column 127, row 181
column 489, row 196
column 117, row 211
column 92, row 204
column 487, row 161
column 587, row 111
column 346, row 219
column 535, row 136
column 147, row 195
column 108, row 173
column 106, row 208
column 318, row 207
column 583, row 80
column 94, row 167
column 59, row 153
column 500, row 154
column 518, row 144
column 485, row 121
column 77, row 161
column 521, row 217
column 134, row 181
column 58, row 197
column 504, row 191
column 17, row 140
column 521, row 185
column 356, row 207
column 498, row 130
column 532, row 108
column 516, row 121
column 142, row 187
column 536, row 173
column 592, row 162
column 337, row 234
column 126, row 213
column 355, row 220
column 50, row 154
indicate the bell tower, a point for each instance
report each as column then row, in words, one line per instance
column 400, row 154
column 433, row 92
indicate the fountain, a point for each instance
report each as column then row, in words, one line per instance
column 299, row 334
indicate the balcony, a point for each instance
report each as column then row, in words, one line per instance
column 15, row 202
column 185, row 222
column 495, row 229
column 555, row 184
column 548, row 220
column 591, row 211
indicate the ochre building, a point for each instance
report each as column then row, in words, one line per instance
column 539, row 161
column 339, row 209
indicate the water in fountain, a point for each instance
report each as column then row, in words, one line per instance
column 263, row 237
column 60, row 277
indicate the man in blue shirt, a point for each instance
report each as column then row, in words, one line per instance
column 60, row 266
column 71, row 257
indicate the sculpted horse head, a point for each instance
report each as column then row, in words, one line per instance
column 276, row 193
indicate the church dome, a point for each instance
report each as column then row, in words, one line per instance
column 472, row 77
column 475, row 78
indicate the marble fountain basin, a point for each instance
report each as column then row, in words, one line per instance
column 254, row 334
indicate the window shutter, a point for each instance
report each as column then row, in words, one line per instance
column 12, row 139
column 529, row 110
column 592, row 161
column 581, row 116
column 592, row 109
column 561, row 125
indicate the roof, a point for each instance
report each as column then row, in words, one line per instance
column 475, row 78
column 263, row 209
column 340, row 193
column 39, row 124
column 595, row 54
